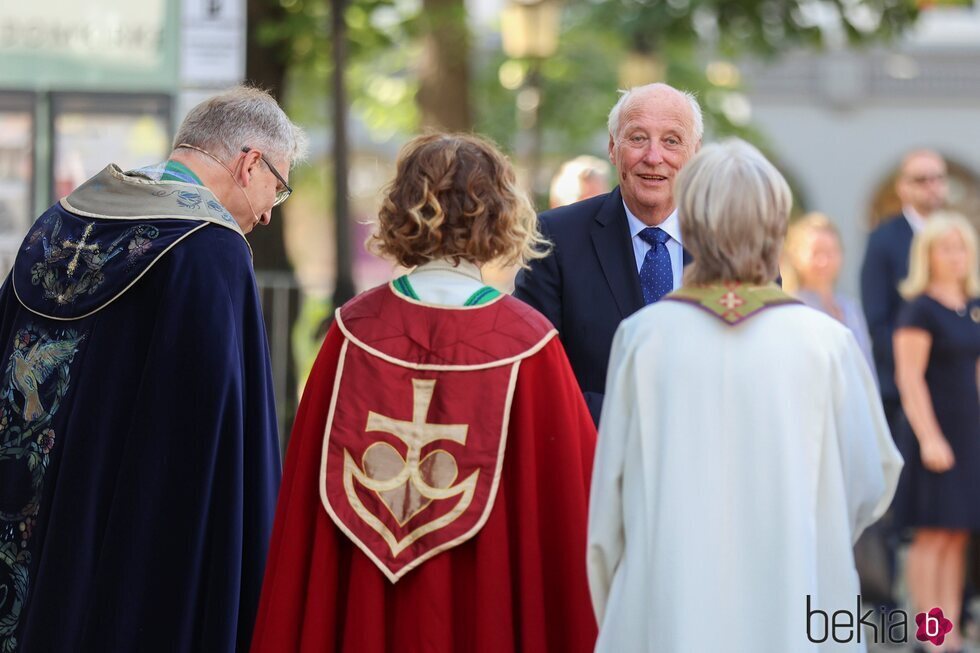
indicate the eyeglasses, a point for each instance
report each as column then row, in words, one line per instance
column 921, row 180
column 281, row 195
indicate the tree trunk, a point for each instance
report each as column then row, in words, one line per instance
column 344, row 286
column 443, row 96
column 265, row 67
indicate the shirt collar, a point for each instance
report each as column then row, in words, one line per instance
column 914, row 218
column 464, row 268
column 672, row 225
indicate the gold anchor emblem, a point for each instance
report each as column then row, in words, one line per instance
column 408, row 485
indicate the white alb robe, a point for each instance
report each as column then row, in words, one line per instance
column 736, row 466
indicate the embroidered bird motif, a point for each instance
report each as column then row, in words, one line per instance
column 34, row 368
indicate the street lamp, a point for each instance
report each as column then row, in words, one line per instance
column 640, row 68
column 530, row 31
column 530, row 28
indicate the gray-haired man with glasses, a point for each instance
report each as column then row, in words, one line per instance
column 139, row 458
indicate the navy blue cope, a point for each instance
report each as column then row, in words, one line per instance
column 139, row 459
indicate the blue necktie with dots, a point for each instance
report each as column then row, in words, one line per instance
column 656, row 273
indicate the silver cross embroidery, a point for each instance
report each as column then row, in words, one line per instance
column 79, row 247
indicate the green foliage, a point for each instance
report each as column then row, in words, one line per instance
column 381, row 47
column 579, row 82
column 303, row 36
column 308, row 333
column 739, row 26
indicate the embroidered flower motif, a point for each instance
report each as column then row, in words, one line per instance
column 26, row 527
column 138, row 246
column 23, row 339
column 933, row 627
column 46, row 440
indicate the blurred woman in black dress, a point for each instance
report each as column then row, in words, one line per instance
column 937, row 345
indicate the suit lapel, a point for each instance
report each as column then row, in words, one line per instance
column 614, row 249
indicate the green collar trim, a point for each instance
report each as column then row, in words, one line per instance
column 403, row 286
column 484, row 295
column 177, row 171
column 733, row 302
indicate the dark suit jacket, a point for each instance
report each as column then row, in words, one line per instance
column 886, row 264
column 587, row 286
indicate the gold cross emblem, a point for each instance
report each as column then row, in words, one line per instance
column 408, row 485
column 417, row 433
column 79, row 247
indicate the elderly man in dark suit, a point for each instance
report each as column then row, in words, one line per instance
column 617, row 252
column 921, row 186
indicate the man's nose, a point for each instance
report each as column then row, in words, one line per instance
column 654, row 154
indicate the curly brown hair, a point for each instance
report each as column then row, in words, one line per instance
column 456, row 196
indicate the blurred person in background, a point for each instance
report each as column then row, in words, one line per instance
column 139, row 459
column 743, row 482
column 937, row 348
column 435, row 490
column 579, row 179
column 814, row 257
column 922, row 188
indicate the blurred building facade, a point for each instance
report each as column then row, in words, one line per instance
column 85, row 84
column 838, row 123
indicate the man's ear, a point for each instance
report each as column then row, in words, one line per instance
column 252, row 159
column 612, row 146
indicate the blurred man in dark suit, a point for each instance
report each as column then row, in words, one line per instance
column 922, row 188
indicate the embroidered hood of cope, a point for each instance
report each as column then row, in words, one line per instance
column 92, row 246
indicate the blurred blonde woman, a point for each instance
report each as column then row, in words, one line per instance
column 813, row 256
column 937, row 345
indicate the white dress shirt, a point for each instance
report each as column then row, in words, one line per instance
column 914, row 218
column 674, row 246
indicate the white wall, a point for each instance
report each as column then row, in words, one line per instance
column 840, row 157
